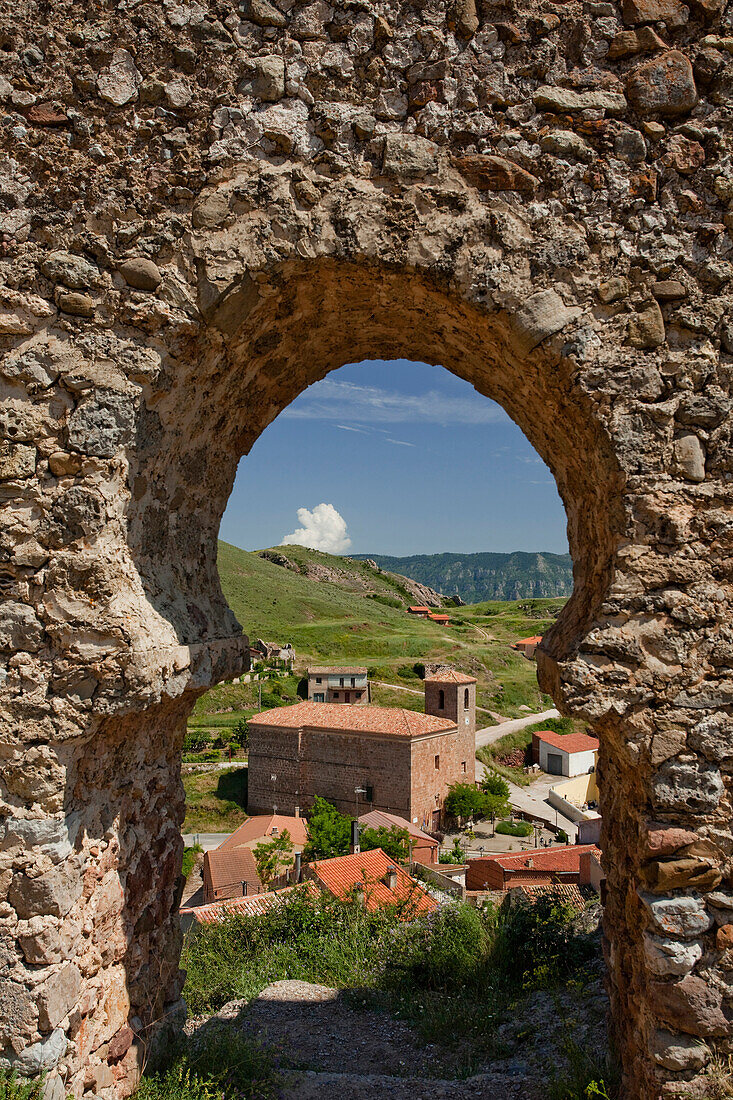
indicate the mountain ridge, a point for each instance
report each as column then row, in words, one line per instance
column 485, row 575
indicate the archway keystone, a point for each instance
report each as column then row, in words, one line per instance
column 204, row 210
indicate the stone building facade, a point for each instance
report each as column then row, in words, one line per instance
column 535, row 195
column 402, row 761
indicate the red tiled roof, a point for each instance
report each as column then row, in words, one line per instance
column 368, row 869
column 568, row 742
column 529, row 641
column 387, row 721
column 450, row 676
column 439, row 618
column 333, row 670
column 257, row 829
column 229, row 867
column 253, row 906
column 376, row 818
column 565, row 858
column 416, row 608
column 569, row 892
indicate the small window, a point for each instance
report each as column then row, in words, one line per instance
column 318, row 679
column 437, row 763
column 463, row 766
column 353, row 681
column 441, row 700
column 465, row 699
column 341, row 681
column 335, row 695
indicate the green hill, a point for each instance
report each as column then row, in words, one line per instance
column 335, row 610
column 477, row 577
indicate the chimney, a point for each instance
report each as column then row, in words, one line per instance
column 297, row 812
column 530, row 863
column 354, row 846
column 245, row 888
column 390, row 878
column 297, row 871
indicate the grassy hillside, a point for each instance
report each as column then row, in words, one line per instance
column 338, row 610
column 488, row 576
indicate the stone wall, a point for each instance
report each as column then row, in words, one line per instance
column 206, row 208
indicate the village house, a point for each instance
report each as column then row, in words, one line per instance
column 419, row 612
column 423, row 847
column 371, row 878
column 564, row 754
column 538, row 867
column 283, row 656
column 230, row 873
column 368, row 757
column 527, row 646
column 329, row 684
column 439, row 617
column 267, row 827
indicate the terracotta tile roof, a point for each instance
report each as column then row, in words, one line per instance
column 416, row 608
column 376, row 818
column 568, row 742
column 332, row 670
column 567, row 891
column 342, row 874
column 529, row 641
column 450, row 676
column 257, row 829
column 565, row 858
column 439, row 618
column 228, row 868
column 385, row 721
column 253, row 906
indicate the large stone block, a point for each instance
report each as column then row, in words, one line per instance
column 686, row 917
column 102, row 423
column 20, row 628
column 689, row 1005
column 57, row 996
column 53, row 893
column 664, row 86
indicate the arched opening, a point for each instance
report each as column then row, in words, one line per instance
column 267, row 341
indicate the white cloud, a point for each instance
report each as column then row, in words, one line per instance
column 342, row 401
column 400, row 442
column 322, row 529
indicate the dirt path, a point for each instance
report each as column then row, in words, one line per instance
column 337, row 1046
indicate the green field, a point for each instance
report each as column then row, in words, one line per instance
column 344, row 614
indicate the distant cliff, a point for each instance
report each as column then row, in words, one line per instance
column 477, row 577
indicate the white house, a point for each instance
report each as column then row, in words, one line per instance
column 564, row 754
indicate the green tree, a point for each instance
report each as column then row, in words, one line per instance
column 394, row 842
column 465, row 800
column 329, row 831
column 240, row 734
column 273, row 856
column 496, row 790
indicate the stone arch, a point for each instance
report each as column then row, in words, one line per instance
column 507, row 198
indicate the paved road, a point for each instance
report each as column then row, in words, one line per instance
column 489, row 734
column 206, row 840
column 532, row 800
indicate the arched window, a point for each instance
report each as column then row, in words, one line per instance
column 441, row 700
column 465, row 699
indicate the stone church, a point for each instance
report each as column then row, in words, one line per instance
column 378, row 758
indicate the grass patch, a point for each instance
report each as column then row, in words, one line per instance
column 587, row 1076
column 216, row 801
column 513, row 775
column 221, row 1064
column 514, row 828
column 189, row 859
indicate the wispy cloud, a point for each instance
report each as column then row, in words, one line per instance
column 400, row 442
column 346, row 428
column 332, row 400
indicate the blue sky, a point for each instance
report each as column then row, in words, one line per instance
column 410, row 459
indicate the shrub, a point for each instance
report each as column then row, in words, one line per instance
column 13, row 1087
column 240, row 733
column 195, row 741
column 514, row 828
column 536, row 943
column 419, row 669
column 441, row 953
column 562, row 836
column 455, row 855
column 587, row 1077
